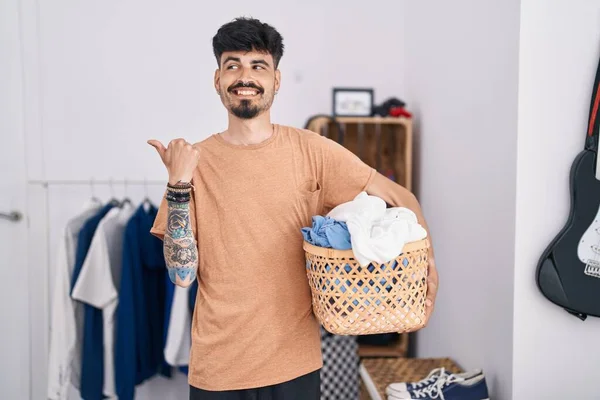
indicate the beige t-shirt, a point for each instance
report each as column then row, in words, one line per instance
column 253, row 323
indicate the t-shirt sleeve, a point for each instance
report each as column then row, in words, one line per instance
column 345, row 175
column 160, row 222
column 94, row 285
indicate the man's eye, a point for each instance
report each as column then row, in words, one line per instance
column 232, row 66
column 258, row 66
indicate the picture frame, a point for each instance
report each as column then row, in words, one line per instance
column 352, row 102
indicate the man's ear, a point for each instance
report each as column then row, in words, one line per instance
column 277, row 79
column 217, row 80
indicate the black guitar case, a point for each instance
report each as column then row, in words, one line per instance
column 568, row 272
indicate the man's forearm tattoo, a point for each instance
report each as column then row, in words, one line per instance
column 181, row 252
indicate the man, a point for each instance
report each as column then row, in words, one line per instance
column 232, row 215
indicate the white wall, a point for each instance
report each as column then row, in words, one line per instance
column 117, row 73
column 477, row 74
column 462, row 75
column 556, row 355
column 102, row 78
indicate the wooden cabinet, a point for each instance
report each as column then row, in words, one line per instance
column 383, row 143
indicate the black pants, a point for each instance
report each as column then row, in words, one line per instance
column 305, row 387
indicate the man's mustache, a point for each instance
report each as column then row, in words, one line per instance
column 245, row 85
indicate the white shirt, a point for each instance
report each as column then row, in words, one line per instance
column 64, row 316
column 99, row 278
column 377, row 233
column 177, row 348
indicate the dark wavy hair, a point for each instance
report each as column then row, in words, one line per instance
column 248, row 34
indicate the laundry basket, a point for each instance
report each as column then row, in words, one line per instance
column 349, row 299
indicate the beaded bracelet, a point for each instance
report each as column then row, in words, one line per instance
column 178, row 198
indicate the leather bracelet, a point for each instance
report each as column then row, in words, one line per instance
column 180, row 185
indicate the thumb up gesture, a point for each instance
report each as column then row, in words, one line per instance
column 180, row 158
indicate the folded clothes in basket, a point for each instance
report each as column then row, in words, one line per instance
column 377, row 233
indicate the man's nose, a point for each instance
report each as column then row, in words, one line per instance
column 246, row 75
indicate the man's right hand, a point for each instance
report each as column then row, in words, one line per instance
column 180, row 158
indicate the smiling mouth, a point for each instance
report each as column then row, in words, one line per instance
column 245, row 92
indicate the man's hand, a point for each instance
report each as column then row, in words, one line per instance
column 180, row 158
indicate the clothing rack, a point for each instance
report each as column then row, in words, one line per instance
column 92, row 182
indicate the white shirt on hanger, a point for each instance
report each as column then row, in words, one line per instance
column 177, row 348
column 98, row 282
column 64, row 313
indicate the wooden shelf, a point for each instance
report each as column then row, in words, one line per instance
column 384, row 143
column 375, row 120
column 396, row 349
column 367, row 351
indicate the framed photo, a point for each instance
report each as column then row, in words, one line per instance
column 352, row 102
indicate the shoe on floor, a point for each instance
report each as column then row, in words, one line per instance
column 469, row 386
column 400, row 389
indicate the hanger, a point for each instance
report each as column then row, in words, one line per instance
column 113, row 200
column 94, row 198
column 126, row 200
column 146, row 203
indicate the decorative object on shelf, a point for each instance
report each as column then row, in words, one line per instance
column 568, row 271
column 352, row 102
column 392, row 107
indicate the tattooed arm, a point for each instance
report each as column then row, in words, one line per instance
column 180, row 248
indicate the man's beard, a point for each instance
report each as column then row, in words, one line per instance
column 245, row 110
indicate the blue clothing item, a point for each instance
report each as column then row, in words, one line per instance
column 192, row 295
column 139, row 349
column 92, row 352
column 327, row 232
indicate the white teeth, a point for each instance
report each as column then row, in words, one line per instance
column 246, row 92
